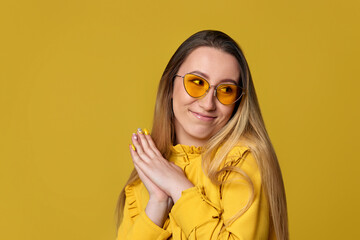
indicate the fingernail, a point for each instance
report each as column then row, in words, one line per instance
column 134, row 136
column 133, row 147
column 146, row 131
column 140, row 131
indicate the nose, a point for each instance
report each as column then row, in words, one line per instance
column 207, row 102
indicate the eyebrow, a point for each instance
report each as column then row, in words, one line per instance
column 204, row 75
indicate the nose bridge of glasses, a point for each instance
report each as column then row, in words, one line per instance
column 208, row 100
column 215, row 89
column 211, row 86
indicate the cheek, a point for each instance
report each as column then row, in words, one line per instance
column 180, row 104
column 176, row 91
column 227, row 111
column 179, row 97
column 177, row 101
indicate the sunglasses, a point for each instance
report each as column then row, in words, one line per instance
column 197, row 87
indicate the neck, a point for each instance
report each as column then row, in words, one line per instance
column 190, row 142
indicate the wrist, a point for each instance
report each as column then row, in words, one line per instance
column 157, row 211
column 177, row 193
column 158, row 202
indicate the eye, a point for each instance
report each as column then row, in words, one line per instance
column 226, row 89
column 198, row 82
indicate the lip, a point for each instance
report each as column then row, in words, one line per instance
column 202, row 116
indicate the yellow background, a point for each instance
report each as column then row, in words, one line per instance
column 78, row 77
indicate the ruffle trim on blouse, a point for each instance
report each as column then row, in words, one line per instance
column 185, row 149
column 235, row 155
column 133, row 208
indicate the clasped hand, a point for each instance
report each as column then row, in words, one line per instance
column 162, row 179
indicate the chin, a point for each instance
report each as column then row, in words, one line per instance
column 201, row 133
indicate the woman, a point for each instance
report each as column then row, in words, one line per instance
column 208, row 170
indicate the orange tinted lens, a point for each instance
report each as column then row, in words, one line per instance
column 228, row 93
column 195, row 86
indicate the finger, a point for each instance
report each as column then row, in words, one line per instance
column 139, row 171
column 141, row 174
column 152, row 145
column 138, row 163
column 134, row 155
column 139, row 147
column 139, row 166
column 149, row 151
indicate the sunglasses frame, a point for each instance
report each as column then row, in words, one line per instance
column 215, row 86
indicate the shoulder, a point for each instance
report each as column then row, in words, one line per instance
column 238, row 154
column 242, row 157
column 238, row 151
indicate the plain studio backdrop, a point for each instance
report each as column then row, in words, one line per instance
column 78, row 77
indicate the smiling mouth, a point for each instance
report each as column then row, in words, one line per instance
column 202, row 116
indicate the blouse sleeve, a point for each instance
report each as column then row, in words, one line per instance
column 136, row 225
column 200, row 219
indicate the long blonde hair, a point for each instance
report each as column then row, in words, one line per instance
column 246, row 126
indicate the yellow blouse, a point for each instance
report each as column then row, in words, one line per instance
column 201, row 210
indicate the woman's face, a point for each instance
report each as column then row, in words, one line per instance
column 198, row 119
